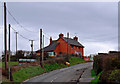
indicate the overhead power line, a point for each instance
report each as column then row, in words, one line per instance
column 46, row 37
column 21, row 35
column 20, row 24
column 46, row 34
column 49, row 35
column 13, row 29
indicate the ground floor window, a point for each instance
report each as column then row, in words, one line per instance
column 51, row 53
column 78, row 53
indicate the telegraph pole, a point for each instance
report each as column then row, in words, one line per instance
column 9, row 42
column 31, row 47
column 16, row 42
column 9, row 51
column 41, row 48
column 67, row 58
column 5, row 36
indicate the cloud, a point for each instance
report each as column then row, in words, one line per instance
column 101, row 47
column 94, row 22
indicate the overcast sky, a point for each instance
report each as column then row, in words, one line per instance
column 95, row 23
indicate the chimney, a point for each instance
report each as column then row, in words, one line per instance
column 50, row 40
column 60, row 35
column 75, row 38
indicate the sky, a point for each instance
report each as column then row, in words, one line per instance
column 94, row 23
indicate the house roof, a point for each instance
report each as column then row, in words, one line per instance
column 54, row 44
column 50, row 47
column 72, row 42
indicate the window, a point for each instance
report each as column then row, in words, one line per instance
column 51, row 53
column 60, row 52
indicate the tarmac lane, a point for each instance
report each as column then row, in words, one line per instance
column 65, row 75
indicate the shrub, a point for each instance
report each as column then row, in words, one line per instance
column 110, row 76
column 114, row 76
column 97, row 65
column 111, row 63
column 105, row 62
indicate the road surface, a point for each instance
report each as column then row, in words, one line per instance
column 69, row 74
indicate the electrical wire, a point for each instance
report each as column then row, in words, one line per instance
column 46, row 34
column 13, row 29
column 24, row 27
column 19, row 23
column 21, row 35
column 46, row 37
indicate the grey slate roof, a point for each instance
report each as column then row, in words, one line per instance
column 50, row 47
column 73, row 42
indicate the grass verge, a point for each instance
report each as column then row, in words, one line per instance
column 26, row 73
column 31, row 71
column 96, row 80
column 93, row 73
column 76, row 60
column 9, row 63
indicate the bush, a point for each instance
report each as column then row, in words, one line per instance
column 110, row 76
column 97, row 65
column 109, row 64
column 114, row 76
column 105, row 62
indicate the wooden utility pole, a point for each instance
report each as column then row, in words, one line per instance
column 9, row 51
column 41, row 48
column 31, row 47
column 9, row 42
column 5, row 36
column 67, row 58
column 16, row 42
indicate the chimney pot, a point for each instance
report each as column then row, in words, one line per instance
column 60, row 35
column 75, row 38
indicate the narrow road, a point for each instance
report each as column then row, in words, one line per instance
column 69, row 74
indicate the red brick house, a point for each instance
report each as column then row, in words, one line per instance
column 59, row 46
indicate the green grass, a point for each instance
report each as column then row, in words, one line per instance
column 76, row 60
column 96, row 80
column 93, row 73
column 32, row 71
column 9, row 63
column 50, row 67
column 26, row 73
